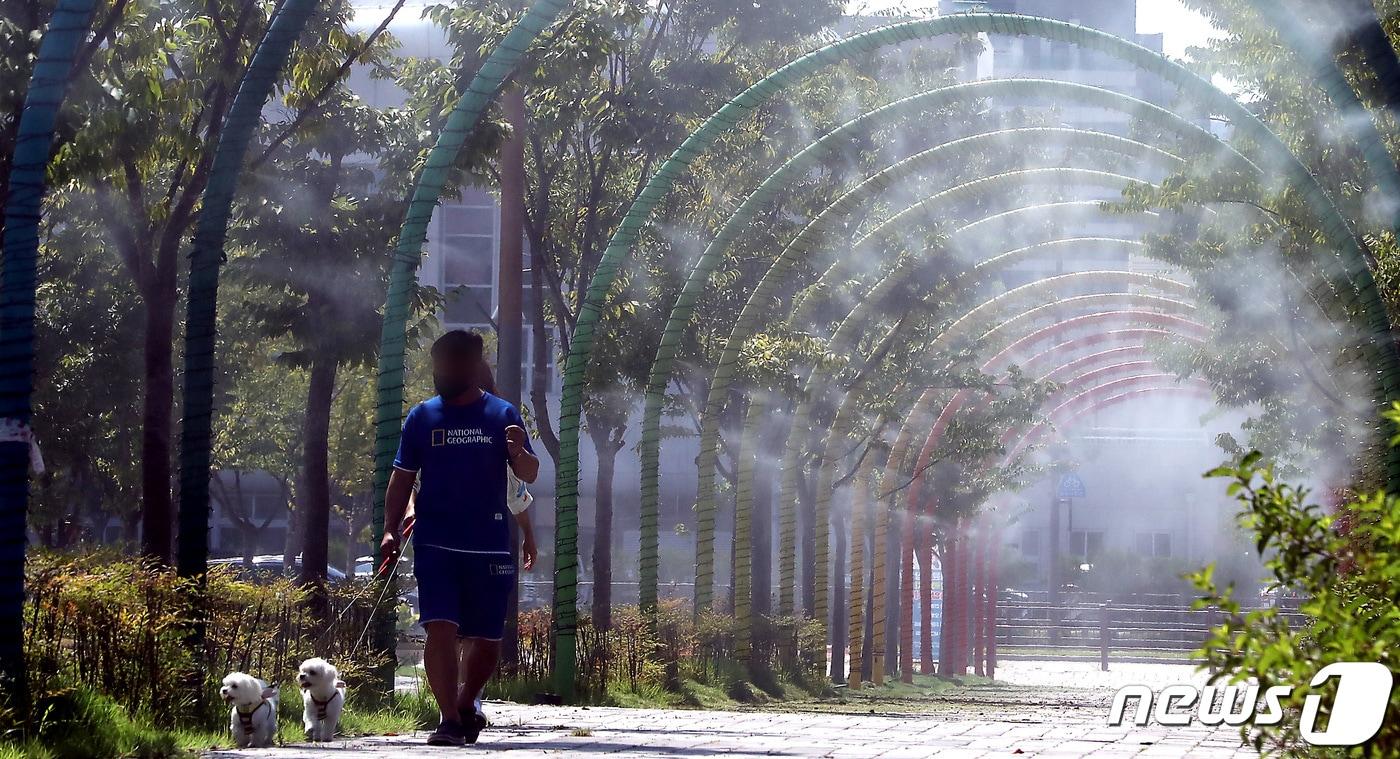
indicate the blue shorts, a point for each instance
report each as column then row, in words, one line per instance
column 470, row 590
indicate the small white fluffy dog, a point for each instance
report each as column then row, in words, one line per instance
column 322, row 698
column 253, row 718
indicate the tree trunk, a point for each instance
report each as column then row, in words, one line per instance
column 838, row 598
column 250, row 539
column 291, row 543
column 923, row 550
column 320, row 393
column 540, row 377
column 350, row 547
column 510, row 317
column 765, row 471
column 607, row 445
column 157, row 517
column 806, row 502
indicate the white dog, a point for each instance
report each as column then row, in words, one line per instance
column 253, row 719
column 322, row 698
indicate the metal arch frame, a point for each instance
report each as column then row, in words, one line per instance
column 1353, row 261
column 650, row 446
column 895, row 464
column 48, row 85
column 704, row 265
column 796, row 448
column 710, row 430
column 403, row 273
column 206, row 258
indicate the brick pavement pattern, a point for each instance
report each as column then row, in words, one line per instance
column 1054, row 730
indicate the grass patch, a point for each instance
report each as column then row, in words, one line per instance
column 77, row 723
column 74, row 723
column 698, row 695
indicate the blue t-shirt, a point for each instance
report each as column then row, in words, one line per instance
column 459, row 453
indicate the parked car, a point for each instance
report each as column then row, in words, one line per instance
column 270, row 566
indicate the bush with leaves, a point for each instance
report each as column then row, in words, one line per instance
column 1343, row 566
column 118, row 625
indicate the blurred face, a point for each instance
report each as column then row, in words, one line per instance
column 454, row 375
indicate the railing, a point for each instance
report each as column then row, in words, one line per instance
column 1084, row 630
column 536, row 593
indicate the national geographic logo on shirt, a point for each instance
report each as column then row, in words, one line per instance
column 461, row 436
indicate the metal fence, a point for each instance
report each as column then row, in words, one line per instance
column 538, row 593
column 1086, row 629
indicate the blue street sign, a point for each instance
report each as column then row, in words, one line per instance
column 1071, row 486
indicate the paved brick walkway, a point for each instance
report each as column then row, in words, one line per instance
column 532, row 731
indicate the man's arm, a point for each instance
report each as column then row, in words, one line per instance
column 525, row 464
column 395, row 506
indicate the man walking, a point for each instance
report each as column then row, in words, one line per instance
column 458, row 444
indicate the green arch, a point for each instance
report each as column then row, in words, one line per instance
column 1353, row 263
column 806, row 401
column 408, row 252
column 206, row 257
column 710, row 421
column 787, row 505
column 777, row 181
column 48, row 85
column 839, row 426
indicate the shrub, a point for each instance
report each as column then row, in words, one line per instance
column 118, row 626
column 1348, row 580
column 685, row 646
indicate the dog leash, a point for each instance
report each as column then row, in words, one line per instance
column 408, row 530
column 382, row 593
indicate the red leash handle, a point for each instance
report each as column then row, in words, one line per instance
column 407, row 531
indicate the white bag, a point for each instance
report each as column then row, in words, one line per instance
column 518, row 496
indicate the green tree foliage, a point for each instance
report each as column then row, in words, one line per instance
column 607, row 98
column 142, row 122
column 1341, row 563
column 1281, row 346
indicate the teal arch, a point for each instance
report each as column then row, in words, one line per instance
column 465, row 115
column 1353, row 264
column 206, row 257
column 720, row 385
column 699, row 141
column 775, row 183
column 48, row 85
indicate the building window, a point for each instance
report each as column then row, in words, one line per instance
column 467, row 305
column 1030, row 543
column 1157, row 544
column 1087, row 544
column 468, row 246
